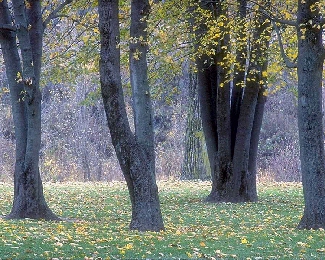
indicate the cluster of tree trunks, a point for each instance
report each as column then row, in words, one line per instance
column 232, row 111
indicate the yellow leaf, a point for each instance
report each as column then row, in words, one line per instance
column 128, row 246
column 244, row 241
column 202, row 244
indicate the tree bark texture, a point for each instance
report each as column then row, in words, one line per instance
column 133, row 153
column 29, row 201
column 310, row 68
column 194, row 165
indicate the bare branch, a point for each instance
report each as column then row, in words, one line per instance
column 55, row 12
column 268, row 14
column 7, row 27
column 288, row 62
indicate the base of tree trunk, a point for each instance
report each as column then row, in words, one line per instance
column 309, row 221
column 146, row 216
column 142, row 225
column 41, row 212
column 147, row 223
column 230, row 197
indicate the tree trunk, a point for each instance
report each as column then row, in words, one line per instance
column 264, row 32
column 240, row 181
column 194, row 165
column 251, row 114
column 208, row 105
column 133, row 152
column 234, row 122
column 239, row 72
column 29, row 201
column 310, row 68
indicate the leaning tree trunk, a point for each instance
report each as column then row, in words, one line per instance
column 29, row 201
column 310, row 68
column 133, row 152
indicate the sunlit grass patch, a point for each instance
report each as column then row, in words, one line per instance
column 96, row 218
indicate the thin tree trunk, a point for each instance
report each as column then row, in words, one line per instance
column 239, row 182
column 239, row 73
column 261, row 52
column 311, row 56
column 194, row 166
column 208, row 105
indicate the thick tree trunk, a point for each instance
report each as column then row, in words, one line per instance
column 310, row 68
column 133, row 153
column 234, row 146
column 29, row 201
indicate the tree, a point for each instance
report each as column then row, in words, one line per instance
column 194, row 164
column 311, row 55
column 23, row 73
column 232, row 116
column 135, row 152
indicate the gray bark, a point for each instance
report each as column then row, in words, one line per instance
column 134, row 155
column 311, row 56
column 29, row 201
column 194, row 166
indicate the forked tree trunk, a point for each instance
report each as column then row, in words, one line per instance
column 29, row 201
column 311, row 56
column 133, row 152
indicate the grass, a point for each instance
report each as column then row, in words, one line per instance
column 263, row 230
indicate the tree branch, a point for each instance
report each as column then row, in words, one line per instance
column 322, row 21
column 55, row 12
column 288, row 62
column 268, row 14
column 7, row 27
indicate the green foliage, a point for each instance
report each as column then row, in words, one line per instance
column 96, row 217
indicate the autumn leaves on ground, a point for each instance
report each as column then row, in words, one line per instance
column 96, row 218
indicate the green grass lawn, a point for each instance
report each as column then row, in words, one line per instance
column 101, row 214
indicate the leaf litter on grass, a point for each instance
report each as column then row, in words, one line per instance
column 100, row 214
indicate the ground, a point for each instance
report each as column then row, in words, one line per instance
column 98, row 215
